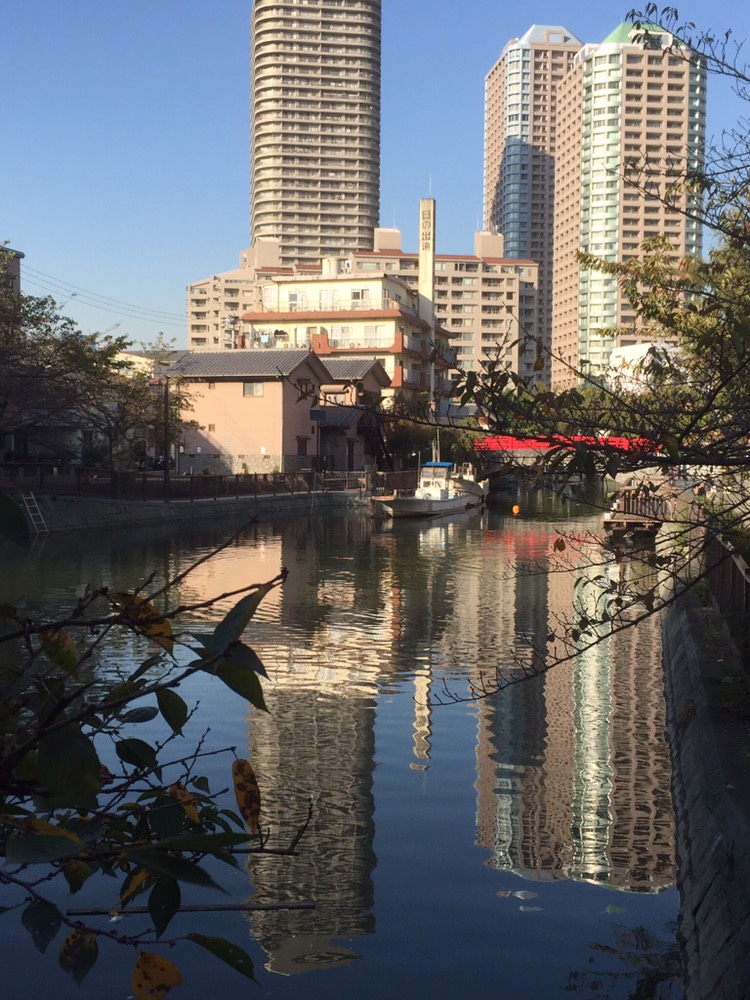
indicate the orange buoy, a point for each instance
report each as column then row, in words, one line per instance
column 516, row 509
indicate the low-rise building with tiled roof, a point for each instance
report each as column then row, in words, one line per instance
column 259, row 411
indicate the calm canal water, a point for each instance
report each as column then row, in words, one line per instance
column 518, row 846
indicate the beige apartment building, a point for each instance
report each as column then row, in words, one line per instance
column 315, row 125
column 485, row 304
column 339, row 314
column 631, row 120
column 520, row 126
column 215, row 305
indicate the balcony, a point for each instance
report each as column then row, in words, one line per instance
column 337, row 304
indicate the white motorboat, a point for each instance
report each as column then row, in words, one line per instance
column 441, row 490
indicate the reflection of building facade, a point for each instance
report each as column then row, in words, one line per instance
column 319, row 750
column 562, row 790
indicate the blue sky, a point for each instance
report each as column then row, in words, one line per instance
column 125, row 171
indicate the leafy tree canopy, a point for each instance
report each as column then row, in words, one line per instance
column 55, row 378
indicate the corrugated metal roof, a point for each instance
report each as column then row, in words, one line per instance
column 263, row 362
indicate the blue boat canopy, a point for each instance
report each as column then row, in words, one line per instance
column 437, row 465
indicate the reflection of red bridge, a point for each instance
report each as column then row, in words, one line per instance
column 522, row 447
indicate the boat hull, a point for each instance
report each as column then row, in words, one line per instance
column 425, row 507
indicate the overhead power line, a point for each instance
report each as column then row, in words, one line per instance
column 55, row 286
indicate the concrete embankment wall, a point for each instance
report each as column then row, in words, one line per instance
column 711, row 794
column 64, row 513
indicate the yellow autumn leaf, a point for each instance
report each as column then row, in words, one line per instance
column 186, row 800
column 247, row 793
column 135, row 884
column 60, row 648
column 147, row 618
column 78, row 954
column 44, row 828
column 154, row 976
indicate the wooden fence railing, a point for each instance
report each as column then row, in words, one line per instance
column 729, row 580
column 77, row 481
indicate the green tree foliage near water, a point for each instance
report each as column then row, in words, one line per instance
column 59, row 385
column 82, row 799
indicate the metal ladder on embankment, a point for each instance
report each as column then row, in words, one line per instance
column 35, row 515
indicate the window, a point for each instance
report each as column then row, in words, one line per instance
column 252, row 388
column 302, row 445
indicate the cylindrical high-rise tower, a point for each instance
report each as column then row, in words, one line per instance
column 315, row 125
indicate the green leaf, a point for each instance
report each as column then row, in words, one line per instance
column 13, row 524
column 246, row 657
column 76, row 873
column 236, row 621
column 40, row 848
column 166, row 817
column 173, row 709
column 42, row 920
column 206, row 843
column 78, row 955
column 173, row 866
column 49, row 691
column 230, row 953
column 70, row 769
column 242, row 680
column 152, row 661
column 672, row 445
column 164, row 902
column 136, row 752
column 144, row 714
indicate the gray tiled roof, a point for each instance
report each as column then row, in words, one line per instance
column 346, row 369
column 238, row 364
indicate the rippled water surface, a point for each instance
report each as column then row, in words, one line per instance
column 519, row 845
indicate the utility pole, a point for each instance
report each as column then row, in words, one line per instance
column 165, row 378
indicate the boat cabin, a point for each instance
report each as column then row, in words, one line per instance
column 435, row 480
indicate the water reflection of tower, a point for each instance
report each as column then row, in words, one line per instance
column 421, row 593
column 585, row 793
column 512, row 725
column 320, row 748
column 316, row 744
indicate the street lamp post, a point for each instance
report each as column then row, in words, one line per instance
column 157, row 384
column 166, row 437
